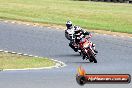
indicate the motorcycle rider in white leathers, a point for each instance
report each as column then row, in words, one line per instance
column 75, row 33
column 69, row 32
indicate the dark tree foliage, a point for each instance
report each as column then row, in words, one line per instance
column 116, row 1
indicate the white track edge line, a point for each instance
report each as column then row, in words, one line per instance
column 57, row 65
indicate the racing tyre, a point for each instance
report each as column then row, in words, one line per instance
column 90, row 60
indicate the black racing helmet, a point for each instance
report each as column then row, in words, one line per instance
column 69, row 24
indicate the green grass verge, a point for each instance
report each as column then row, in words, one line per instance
column 14, row 61
column 115, row 17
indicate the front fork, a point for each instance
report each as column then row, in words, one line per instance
column 86, row 54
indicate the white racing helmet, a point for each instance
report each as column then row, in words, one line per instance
column 69, row 24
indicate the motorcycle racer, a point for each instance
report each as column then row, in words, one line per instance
column 74, row 34
column 69, row 32
column 73, row 31
column 79, row 41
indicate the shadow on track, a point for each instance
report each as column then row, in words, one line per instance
column 72, row 59
column 68, row 55
column 86, row 62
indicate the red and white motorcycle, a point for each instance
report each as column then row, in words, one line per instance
column 87, row 50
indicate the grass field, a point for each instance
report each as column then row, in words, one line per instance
column 13, row 61
column 91, row 15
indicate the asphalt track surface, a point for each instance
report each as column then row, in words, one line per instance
column 115, row 56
